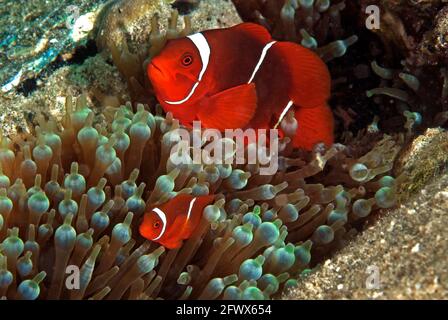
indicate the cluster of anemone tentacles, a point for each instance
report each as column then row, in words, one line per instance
column 413, row 80
column 312, row 23
column 74, row 196
column 410, row 97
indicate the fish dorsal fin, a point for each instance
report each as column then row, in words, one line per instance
column 229, row 109
column 255, row 30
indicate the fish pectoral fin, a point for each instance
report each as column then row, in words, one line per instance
column 191, row 224
column 180, row 227
column 175, row 234
column 230, row 109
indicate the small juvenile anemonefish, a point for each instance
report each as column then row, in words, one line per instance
column 174, row 220
column 240, row 77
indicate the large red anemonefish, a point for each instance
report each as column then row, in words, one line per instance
column 240, row 78
column 174, row 221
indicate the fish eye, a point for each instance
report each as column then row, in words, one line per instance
column 156, row 225
column 187, row 60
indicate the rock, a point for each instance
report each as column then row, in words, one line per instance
column 35, row 33
column 131, row 19
column 423, row 160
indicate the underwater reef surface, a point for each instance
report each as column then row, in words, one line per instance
column 98, row 80
column 34, row 34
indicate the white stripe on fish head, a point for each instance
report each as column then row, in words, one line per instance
column 203, row 47
column 162, row 217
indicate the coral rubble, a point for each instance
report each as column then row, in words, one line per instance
column 35, row 34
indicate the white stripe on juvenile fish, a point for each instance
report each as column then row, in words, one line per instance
column 203, row 47
column 162, row 217
column 190, row 208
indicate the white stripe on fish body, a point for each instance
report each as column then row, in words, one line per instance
column 264, row 52
column 190, row 208
column 260, row 61
column 203, row 47
column 283, row 114
column 162, row 217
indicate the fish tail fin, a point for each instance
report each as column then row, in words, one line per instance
column 315, row 125
column 310, row 78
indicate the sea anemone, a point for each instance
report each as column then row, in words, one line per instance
column 412, row 78
column 72, row 198
column 313, row 24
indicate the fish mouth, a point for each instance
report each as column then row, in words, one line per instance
column 156, row 72
column 156, row 67
column 145, row 232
